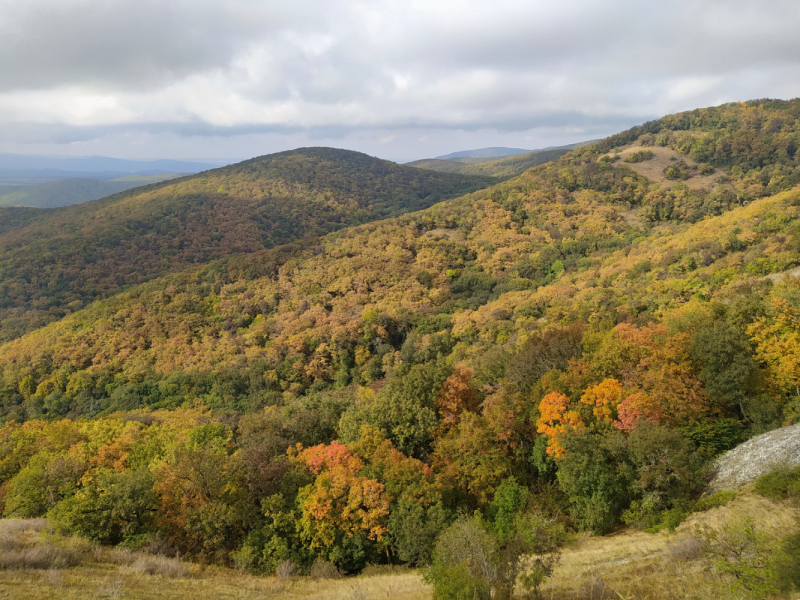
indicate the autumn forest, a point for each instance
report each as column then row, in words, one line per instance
column 322, row 356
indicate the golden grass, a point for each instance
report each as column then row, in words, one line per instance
column 664, row 566
column 106, row 581
column 41, row 565
column 630, row 564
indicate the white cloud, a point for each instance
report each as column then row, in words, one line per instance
column 181, row 76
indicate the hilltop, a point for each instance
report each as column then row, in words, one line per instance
column 58, row 261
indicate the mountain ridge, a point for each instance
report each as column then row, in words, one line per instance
column 138, row 234
column 490, row 152
column 537, row 245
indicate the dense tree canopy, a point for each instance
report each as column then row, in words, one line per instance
column 547, row 341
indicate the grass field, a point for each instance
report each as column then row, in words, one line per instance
column 656, row 566
column 633, row 565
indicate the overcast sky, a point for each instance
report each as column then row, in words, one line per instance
column 399, row 80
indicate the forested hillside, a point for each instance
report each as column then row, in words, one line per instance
column 566, row 350
column 63, row 259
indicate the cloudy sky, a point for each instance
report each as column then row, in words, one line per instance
column 400, row 80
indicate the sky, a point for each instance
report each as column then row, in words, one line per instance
column 232, row 79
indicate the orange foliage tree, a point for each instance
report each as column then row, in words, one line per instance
column 456, row 396
column 556, row 419
column 635, row 407
column 341, row 502
column 603, row 398
column 647, row 360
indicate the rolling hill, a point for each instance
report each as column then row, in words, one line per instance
column 503, row 168
column 566, row 350
column 60, row 260
column 583, row 235
column 483, row 153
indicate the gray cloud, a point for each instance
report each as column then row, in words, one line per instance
column 385, row 76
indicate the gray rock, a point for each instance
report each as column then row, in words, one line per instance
column 749, row 461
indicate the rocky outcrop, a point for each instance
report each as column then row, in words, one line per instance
column 747, row 462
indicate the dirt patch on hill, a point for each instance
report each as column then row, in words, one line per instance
column 452, row 234
column 778, row 277
column 654, row 168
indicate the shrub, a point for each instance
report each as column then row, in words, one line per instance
column 469, row 561
column 640, row 156
column 651, row 518
column 680, row 170
column 322, row 569
column 10, row 527
column 780, row 483
column 458, row 582
column 685, row 548
column 44, row 556
column 746, row 554
column 539, row 541
column 159, row 565
column 714, row 500
column 788, row 571
column 464, row 561
column 287, row 569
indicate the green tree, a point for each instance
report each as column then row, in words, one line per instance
column 596, row 474
column 722, row 355
column 111, row 508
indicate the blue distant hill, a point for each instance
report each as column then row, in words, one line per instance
column 25, row 165
column 493, row 152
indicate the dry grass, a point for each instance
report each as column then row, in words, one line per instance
column 159, row 565
column 653, row 169
column 642, row 566
column 35, row 564
column 631, row 565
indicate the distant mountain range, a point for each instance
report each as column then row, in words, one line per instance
column 489, row 161
column 24, row 165
column 72, row 190
column 53, row 181
column 493, row 152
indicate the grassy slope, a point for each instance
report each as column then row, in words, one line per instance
column 628, row 564
column 663, row 566
column 60, row 260
column 38, row 565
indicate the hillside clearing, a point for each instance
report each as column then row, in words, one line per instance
column 653, row 169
